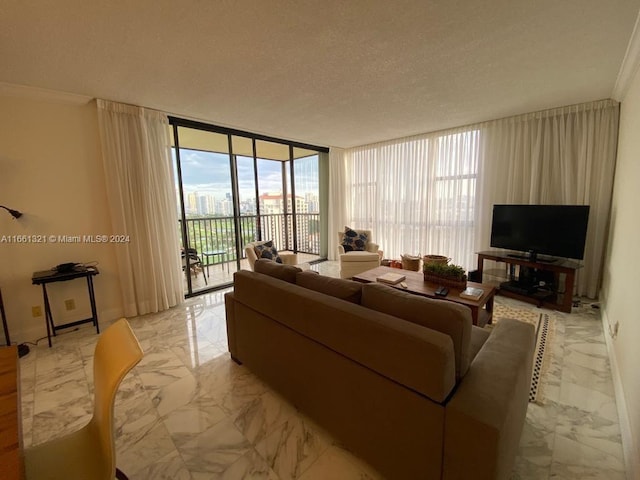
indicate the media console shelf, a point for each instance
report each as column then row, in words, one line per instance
column 552, row 298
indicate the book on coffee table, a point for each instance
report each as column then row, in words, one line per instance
column 472, row 293
column 391, row 278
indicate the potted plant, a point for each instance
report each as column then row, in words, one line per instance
column 445, row 274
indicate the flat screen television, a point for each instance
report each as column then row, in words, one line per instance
column 555, row 230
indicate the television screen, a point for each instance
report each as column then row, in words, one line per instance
column 556, row 230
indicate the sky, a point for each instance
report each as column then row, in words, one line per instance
column 209, row 174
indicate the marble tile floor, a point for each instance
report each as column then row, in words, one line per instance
column 188, row 412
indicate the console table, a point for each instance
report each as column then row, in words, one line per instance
column 550, row 299
column 51, row 276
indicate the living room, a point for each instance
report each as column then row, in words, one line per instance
column 51, row 157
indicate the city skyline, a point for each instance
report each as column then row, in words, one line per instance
column 271, row 202
column 210, row 173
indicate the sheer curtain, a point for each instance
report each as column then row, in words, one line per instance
column 140, row 187
column 434, row 193
column 337, row 200
column 416, row 194
column 560, row 156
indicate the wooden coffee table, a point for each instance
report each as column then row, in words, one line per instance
column 481, row 309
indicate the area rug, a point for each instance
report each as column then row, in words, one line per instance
column 545, row 332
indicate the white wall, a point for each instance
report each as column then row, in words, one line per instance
column 619, row 293
column 51, row 170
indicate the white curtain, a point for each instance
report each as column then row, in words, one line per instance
column 417, row 194
column 434, row 193
column 559, row 156
column 337, row 199
column 140, row 188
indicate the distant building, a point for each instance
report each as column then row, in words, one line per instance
column 272, row 203
column 191, row 205
column 225, row 208
column 248, row 207
column 203, row 208
column 313, row 204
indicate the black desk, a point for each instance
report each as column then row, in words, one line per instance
column 51, row 276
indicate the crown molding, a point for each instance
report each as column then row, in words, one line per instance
column 630, row 64
column 34, row 93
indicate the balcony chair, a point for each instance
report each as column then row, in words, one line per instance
column 195, row 263
column 288, row 258
column 358, row 261
column 90, row 453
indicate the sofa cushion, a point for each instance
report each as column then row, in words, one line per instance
column 447, row 317
column 268, row 251
column 276, row 270
column 353, row 240
column 358, row 256
column 336, row 287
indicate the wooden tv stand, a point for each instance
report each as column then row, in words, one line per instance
column 551, row 299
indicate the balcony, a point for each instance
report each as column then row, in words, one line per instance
column 214, row 238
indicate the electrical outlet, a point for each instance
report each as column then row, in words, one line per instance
column 70, row 304
column 36, row 311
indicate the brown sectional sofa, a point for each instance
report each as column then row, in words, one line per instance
column 405, row 382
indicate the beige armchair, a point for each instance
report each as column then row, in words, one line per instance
column 288, row 258
column 355, row 262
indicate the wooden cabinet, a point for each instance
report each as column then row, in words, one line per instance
column 557, row 294
column 11, row 448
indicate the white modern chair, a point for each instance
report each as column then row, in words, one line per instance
column 90, row 453
column 355, row 262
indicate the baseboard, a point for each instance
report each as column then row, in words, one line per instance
column 37, row 330
column 629, row 447
column 110, row 314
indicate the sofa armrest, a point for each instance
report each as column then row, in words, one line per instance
column 250, row 253
column 485, row 416
column 340, row 250
column 229, row 307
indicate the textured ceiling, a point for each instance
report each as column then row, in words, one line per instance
column 330, row 72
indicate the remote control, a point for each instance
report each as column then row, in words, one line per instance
column 442, row 291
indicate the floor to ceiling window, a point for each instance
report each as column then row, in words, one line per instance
column 235, row 187
column 418, row 194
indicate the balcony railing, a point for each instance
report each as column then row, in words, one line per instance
column 217, row 234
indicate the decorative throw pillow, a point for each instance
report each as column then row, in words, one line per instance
column 268, row 251
column 353, row 240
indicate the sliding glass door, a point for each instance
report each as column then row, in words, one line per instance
column 306, row 185
column 207, row 225
column 234, row 188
